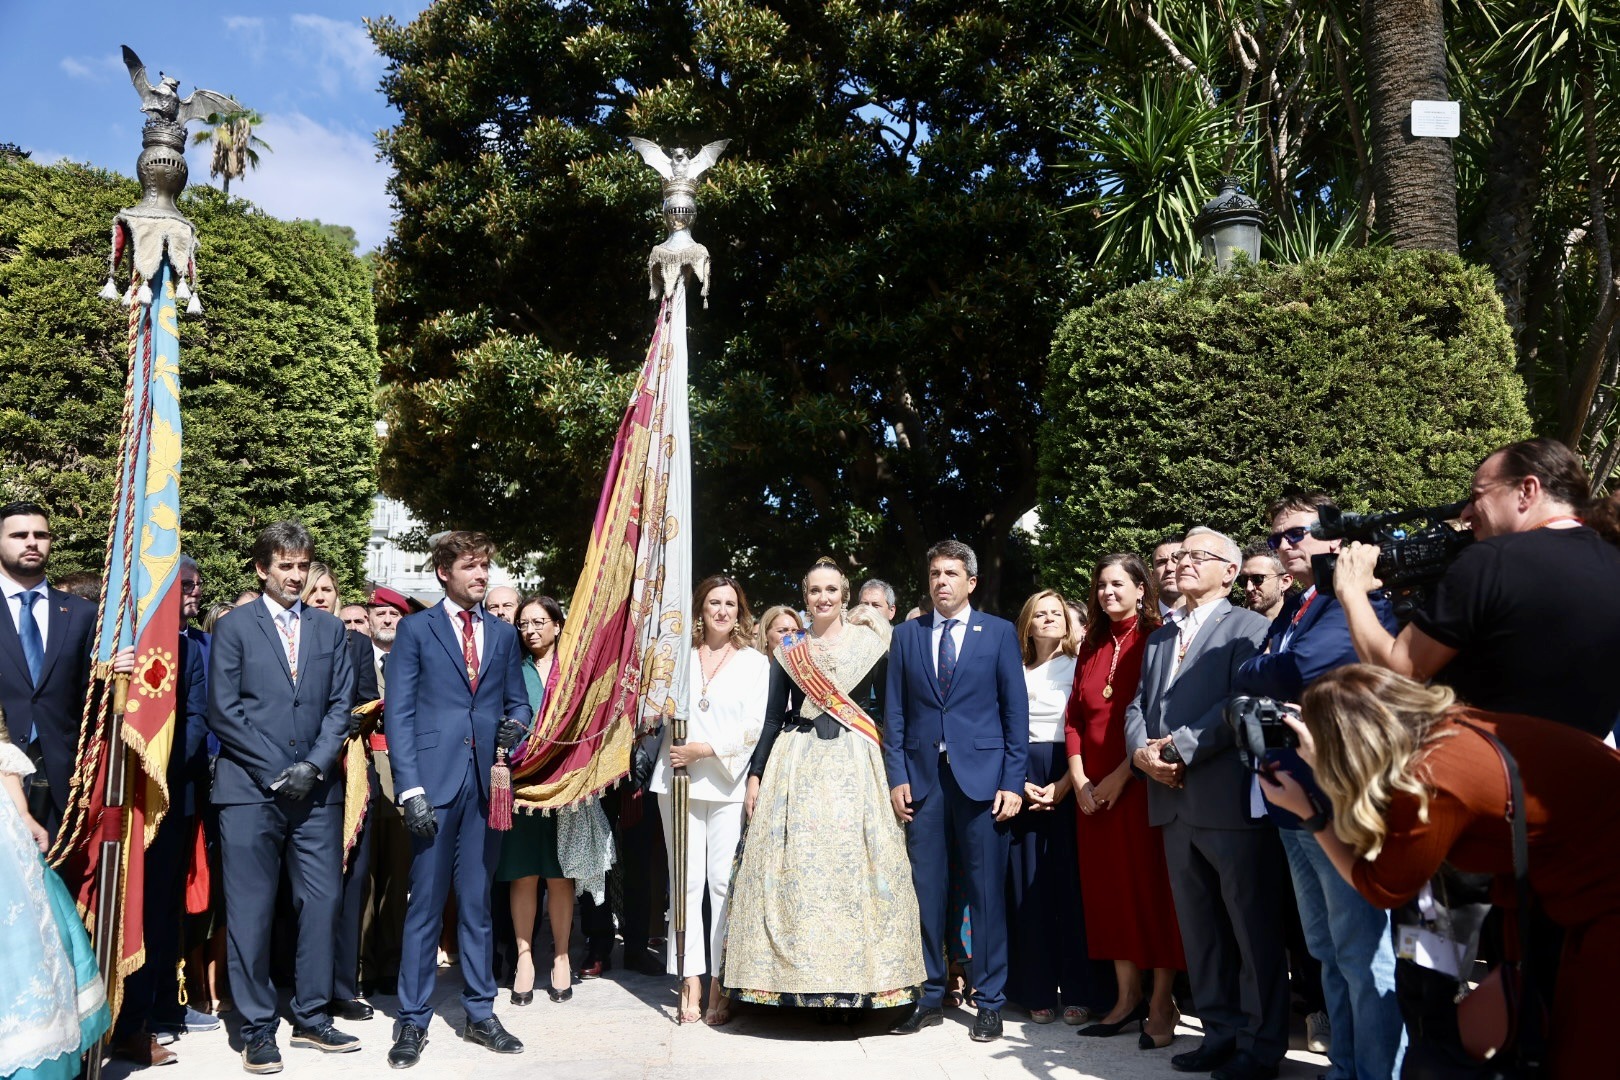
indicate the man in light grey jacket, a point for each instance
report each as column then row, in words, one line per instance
column 1224, row 872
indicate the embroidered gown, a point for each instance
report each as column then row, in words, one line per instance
column 822, row 908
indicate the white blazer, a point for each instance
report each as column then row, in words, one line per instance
column 731, row 724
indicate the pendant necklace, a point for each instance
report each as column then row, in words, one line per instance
column 1113, row 665
column 710, row 676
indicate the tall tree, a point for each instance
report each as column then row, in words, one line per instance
column 236, row 148
column 889, row 265
column 1415, row 177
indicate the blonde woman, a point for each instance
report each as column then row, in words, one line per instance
column 823, row 912
column 321, row 590
column 777, row 623
column 1416, row 782
column 726, row 709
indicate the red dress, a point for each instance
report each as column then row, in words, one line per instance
column 1124, row 882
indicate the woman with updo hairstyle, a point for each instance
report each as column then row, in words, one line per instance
column 1416, row 783
column 823, row 913
column 1124, row 881
column 726, row 691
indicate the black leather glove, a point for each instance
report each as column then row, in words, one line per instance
column 296, row 781
column 508, row 734
column 419, row 818
column 356, row 722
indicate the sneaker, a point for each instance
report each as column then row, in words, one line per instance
column 1318, row 1033
column 326, row 1038
column 261, row 1055
column 190, row 1020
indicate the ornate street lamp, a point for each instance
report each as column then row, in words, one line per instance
column 1228, row 224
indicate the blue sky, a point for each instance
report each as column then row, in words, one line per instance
column 307, row 67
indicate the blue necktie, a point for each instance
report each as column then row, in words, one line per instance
column 947, row 658
column 33, row 644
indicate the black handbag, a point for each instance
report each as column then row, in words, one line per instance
column 1496, row 1030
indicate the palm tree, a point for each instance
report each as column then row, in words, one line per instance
column 236, row 148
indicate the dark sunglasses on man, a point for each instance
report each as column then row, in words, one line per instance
column 1245, row 580
column 1292, row 536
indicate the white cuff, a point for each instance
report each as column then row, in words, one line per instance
column 405, row 795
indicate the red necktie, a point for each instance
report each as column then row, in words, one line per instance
column 469, row 648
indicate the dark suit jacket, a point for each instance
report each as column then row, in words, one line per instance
column 56, row 705
column 264, row 722
column 435, row 719
column 188, row 757
column 984, row 722
column 1191, row 710
column 364, row 660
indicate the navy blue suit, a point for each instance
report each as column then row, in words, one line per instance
column 441, row 738
column 54, row 708
column 265, row 722
column 984, row 724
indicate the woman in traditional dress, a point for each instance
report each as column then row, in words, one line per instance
column 55, row 1005
column 1124, row 883
column 822, row 908
column 529, row 849
column 727, row 693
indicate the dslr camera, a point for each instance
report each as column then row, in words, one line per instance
column 1257, row 722
column 1415, row 547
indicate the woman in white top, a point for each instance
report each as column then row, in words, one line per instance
column 726, row 709
column 1047, row 964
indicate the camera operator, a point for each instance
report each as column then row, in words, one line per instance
column 1348, row 936
column 1527, row 620
column 1415, row 782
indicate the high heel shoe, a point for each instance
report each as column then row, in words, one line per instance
column 1146, row 1041
column 1137, row 1016
column 523, row 998
column 551, row 985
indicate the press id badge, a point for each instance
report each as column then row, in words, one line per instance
column 1428, row 948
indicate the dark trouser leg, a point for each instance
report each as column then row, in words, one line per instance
column 1206, row 936
column 930, row 870
column 982, row 843
column 151, row 992
column 251, row 838
column 315, row 872
column 478, row 850
column 387, row 893
column 346, row 934
column 1251, row 884
column 641, row 860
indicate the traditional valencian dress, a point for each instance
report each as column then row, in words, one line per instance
column 822, row 908
column 52, row 1004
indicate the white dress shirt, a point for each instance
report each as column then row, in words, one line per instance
column 1049, row 686
column 958, row 632
column 454, row 610
column 14, row 593
column 277, row 616
column 731, row 725
column 1187, row 628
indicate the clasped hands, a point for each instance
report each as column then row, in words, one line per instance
column 1103, row 795
column 296, row 781
column 1150, row 759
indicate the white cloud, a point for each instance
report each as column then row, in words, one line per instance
column 341, row 51
column 250, row 31
column 93, row 68
column 314, row 171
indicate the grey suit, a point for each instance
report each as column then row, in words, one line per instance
column 1224, row 872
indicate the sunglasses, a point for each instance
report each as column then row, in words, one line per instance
column 1291, row 536
column 1245, row 580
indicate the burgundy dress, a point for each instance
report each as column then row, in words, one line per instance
column 1124, row 883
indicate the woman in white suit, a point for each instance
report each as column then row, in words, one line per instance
column 725, row 712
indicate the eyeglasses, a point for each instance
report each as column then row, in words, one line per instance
column 190, row 586
column 534, row 624
column 1292, row 536
column 1245, row 580
column 1198, row 557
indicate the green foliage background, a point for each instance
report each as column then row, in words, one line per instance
column 1379, row 376
column 278, row 375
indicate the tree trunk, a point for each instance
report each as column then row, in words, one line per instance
column 1512, row 190
column 1414, row 178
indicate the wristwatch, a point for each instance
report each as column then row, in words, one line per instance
column 1316, row 822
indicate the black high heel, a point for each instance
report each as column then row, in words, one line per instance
column 1151, row 1042
column 565, row 993
column 522, row 999
column 1136, row 1016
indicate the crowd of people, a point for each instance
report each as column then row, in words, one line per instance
column 1074, row 814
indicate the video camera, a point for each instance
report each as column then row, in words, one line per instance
column 1414, row 548
column 1257, row 722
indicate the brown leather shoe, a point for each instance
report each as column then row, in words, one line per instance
column 141, row 1049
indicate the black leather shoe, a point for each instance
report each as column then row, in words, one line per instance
column 325, row 1037
column 261, row 1055
column 919, row 1017
column 987, row 1026
column 524, row 998
column 1244, row 1066
column 1204, row 1059
column 349, row 1009
column 407, row 1049
column 490, row 1034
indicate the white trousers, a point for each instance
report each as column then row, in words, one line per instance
column 712, row 832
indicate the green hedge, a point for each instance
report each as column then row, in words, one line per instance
column 1379, row 376
column 278, row 375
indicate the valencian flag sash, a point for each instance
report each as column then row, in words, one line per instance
column 140, row 607
column 622, row 659
column 823, row 692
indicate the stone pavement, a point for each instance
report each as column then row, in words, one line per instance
column 621, row 1027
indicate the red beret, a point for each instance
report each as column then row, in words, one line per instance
column 382, row 596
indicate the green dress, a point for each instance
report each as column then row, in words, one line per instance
column 530, row 848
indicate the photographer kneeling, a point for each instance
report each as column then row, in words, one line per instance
column 1527, row 619
column 1414, row 783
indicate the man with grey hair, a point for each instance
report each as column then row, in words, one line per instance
column 1224, row 875
column 878, row 595
column 502, row 602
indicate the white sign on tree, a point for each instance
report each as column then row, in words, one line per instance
column 1441, row 119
